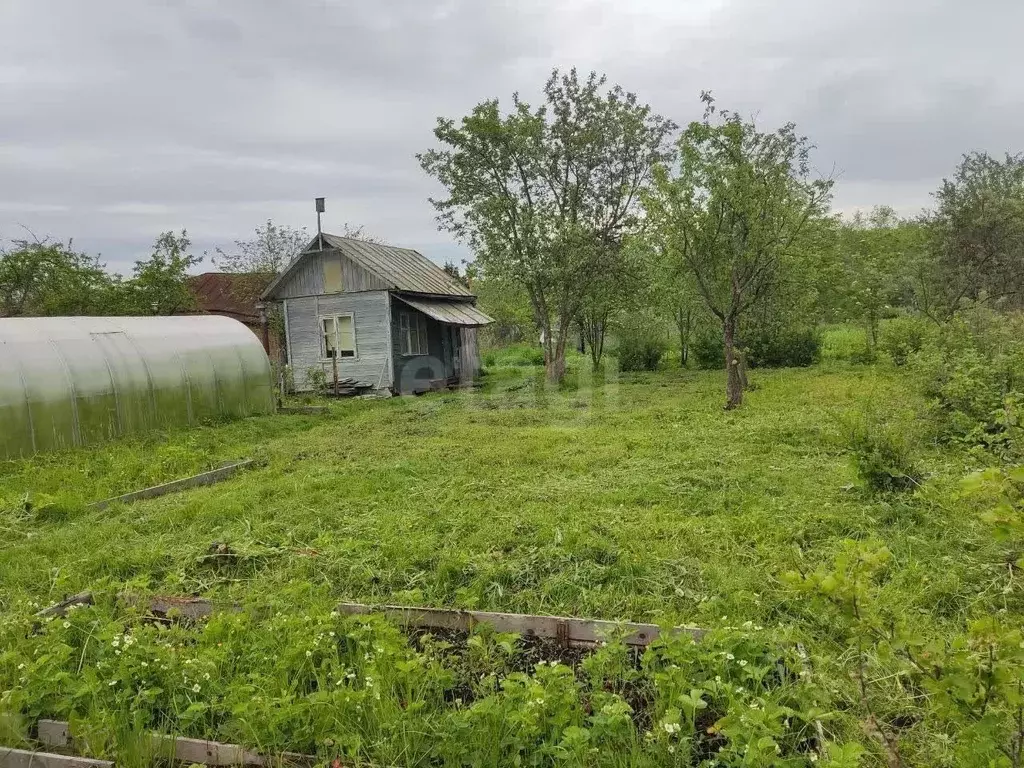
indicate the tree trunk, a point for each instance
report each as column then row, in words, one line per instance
column 554, row 366
column 733, row 366
column 684, row 323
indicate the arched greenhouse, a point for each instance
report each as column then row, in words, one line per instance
column 78, row 380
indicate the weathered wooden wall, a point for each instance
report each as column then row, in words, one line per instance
column 308, row 278
column 470, row 354
column 371, row 313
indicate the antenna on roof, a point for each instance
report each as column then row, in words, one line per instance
column 319, row 232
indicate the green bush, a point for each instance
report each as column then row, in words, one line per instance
column 639, row 353
column 881, row 454
column 903, row 337
column 786, row 348
column 973, row 372
column 708, row 350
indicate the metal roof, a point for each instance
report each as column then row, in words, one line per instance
column 403, row 269
column 451, row 312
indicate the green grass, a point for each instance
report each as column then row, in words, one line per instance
column 636, row 499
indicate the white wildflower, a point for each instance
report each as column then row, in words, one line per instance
column 308, row 654
column 67, row 625
column 742, row 662
column 196, row 688
column 112, row 683
column 729, row 656
column 670, row 728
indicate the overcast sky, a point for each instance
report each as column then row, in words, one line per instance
column 120, row 119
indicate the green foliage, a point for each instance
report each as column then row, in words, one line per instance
column 544, row 196
column 968, row 684
column 708, row 350
column 974, row 375
column 976, row 237
column 316, row 378
column 735, row 213
column 783, row 348
column 158, row 285
column 881, row 452
column 903, row 337
column 43, row 278
column 877, row 251
column 639, row 353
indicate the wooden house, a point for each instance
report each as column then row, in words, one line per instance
column 384, row 318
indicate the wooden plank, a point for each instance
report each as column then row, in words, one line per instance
column 57, row 733
column 205, row 478
column 24, row 758
column 582, row 633
column 61, row 608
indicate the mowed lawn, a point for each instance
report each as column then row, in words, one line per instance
column 634, row 498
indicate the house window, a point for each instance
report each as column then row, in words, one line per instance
column 332, row 273
column 412, row 334
column 339, row 336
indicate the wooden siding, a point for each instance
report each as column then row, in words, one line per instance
column 413, row 373
column 308, row 277
column 470, row 355
column 370, row 309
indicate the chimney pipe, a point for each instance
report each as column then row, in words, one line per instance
column 319, row 231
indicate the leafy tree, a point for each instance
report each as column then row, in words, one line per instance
column 977, row 237
column 269, row 251
column 44, row 278
column 453, row 272
column 734, row 213
column 504, row 301
column 159, row 284
column 543, row 196
column 876, row 252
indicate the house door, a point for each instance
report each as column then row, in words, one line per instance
column 450, row 350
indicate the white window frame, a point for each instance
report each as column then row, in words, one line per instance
column 324, row 357
column 412, row 327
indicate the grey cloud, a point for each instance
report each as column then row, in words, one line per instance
column 123, row 117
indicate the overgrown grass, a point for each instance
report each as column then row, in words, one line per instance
column 631, row 498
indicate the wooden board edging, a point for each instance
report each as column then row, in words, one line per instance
column 570, row 632
column 26, row 758
column 567, row 631
column 57, row 733
column 204, row 478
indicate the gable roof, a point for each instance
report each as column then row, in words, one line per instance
column 227, row 293
column 403, row 269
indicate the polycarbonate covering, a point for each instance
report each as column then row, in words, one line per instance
column 68, row 381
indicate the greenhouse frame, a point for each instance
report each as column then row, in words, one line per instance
column 69, row 381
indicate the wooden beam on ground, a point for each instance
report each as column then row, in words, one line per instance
column 304, row 410
column 57, row 733
column 581, row 633
column 205, row 478
column 61, row 608
column 24, row 758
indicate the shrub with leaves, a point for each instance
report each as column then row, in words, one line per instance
column 906, row 684
column 783, row 348
column 881, row 453
column 640, row 353
column 974, row 375
column 903, row 337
